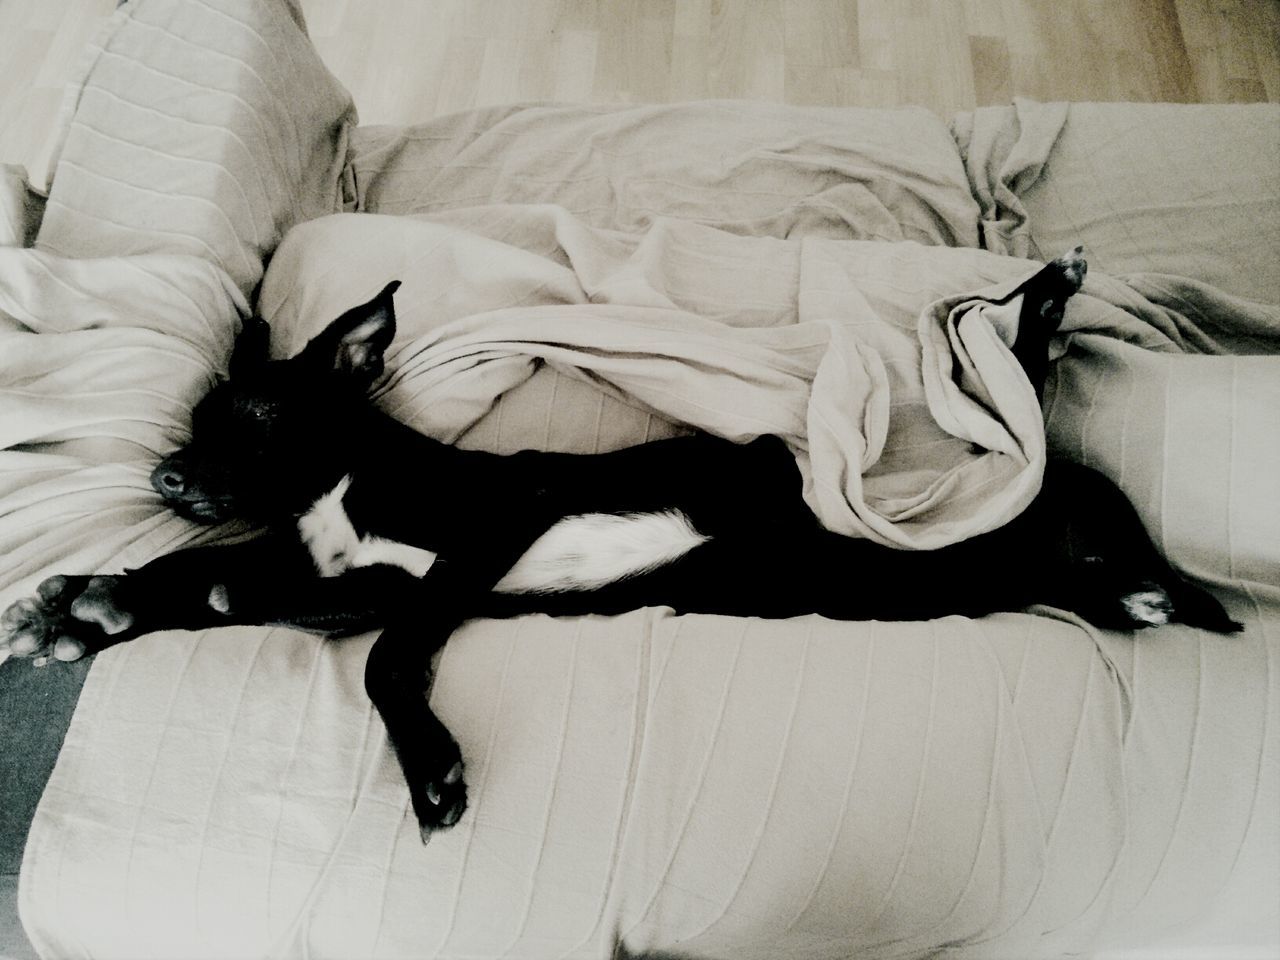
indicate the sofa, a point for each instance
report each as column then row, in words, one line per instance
column 583, row 278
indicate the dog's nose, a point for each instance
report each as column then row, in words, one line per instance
column 168, row 479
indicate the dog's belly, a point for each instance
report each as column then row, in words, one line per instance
column 578, row 553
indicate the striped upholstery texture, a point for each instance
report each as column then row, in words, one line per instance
column 1021, row 785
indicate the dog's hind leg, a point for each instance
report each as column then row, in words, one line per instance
column 398, row 671
column 1104, row 564
column 397, row 676
column 1044, row 302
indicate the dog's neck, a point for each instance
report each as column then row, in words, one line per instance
column 381, row 443
column 386, row 462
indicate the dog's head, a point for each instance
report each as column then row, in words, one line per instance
column 276, row 434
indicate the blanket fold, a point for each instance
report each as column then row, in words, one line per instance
column 1185, row 190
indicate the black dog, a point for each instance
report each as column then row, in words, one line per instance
column 371, row 524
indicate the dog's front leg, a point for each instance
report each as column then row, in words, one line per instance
column 267, row 580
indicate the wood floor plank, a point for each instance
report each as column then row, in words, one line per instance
column 947, row 55
column 992, row 83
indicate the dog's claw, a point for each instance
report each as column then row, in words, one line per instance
column 433, row 793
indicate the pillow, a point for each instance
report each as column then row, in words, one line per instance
column 198, row 128
column 753, row 169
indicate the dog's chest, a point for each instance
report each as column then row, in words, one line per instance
column 581, row 552
column 336, row 547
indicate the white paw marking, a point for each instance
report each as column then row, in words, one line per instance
column 1074, row 266
column 1148, row 606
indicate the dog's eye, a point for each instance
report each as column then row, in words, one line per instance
column 256, row 410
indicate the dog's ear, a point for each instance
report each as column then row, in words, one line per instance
column 251, row 347
column 353, row 346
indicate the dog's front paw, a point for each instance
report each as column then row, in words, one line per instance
column 440, row 798
column 66, row 619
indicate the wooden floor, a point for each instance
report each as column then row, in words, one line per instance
column 406, row 60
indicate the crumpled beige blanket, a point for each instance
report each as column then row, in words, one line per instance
column 884, row 366
column 911, row 420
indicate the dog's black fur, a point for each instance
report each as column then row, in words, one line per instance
column 278, row 435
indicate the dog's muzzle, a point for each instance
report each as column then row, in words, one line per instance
column 171, row 480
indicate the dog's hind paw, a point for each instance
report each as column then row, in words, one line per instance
column 1057, row 283
column 1072, row 268
column 1148, row 607
column 441, row 801
column 1154, row 605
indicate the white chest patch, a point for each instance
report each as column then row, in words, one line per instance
column 336, row 548
column 578, row 553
